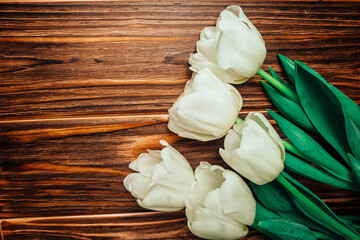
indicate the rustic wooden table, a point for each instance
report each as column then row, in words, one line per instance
column 85, row 88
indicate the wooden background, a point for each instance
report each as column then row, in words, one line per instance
column 85, row 88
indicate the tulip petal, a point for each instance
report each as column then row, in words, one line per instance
column 164, row 180
column 164, row 196
column 206, row 110
column 259, row 166
column 240, row 48
column 206, row 46
column 237, row 199
column 209, row 227
column 208, row 178
column 233, row 138
column 174, row 161
column 261, row 120
column 137, row 184
column 146, row 162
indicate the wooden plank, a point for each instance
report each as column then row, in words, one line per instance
column 108, row 226
column 64, row 167
column 81, row 59
column 55, row 172
column 85, row 88
column 67, row 167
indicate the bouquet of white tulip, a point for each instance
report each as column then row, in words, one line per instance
column 218, row 202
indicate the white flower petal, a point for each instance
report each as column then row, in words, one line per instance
column 240, row 51
column 207, row 226
column 164, row 180
column 206, row 110
column 266, row 125
column 237, row 199
column 232, row 140
column 174, row 162
column 137, row 184
column 146, row 162
column 208, row 178
column 234, row 49
column 257, row 159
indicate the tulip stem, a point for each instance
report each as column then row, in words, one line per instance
column 289, row 93
column 291, row 148
column 238, row 120
column 317, row 212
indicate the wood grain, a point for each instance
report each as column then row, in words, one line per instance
column 63, row 174
column 105, row 55
column 85, row 88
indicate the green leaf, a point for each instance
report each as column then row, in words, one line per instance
column 273, row 196
column 286, row 229
column 355, row 167
column 353, row 135
column 354, row 221
column 302, row 168
column 351, row 110
column 322, row 107
column 311, row 149
column 264, row 231
column 263, row 213
column 276, row 199
column 290, row 109
column 313, row 207
column 289, row 67
column 277, row 77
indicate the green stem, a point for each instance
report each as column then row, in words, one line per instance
column 238, row 120
column 291, row 148
column 279, row 86
column 326, row 220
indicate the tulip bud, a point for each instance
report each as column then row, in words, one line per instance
column 163, row 180
column 233, row 50
column 254, row 149
column 206, row 109
column 220, row 204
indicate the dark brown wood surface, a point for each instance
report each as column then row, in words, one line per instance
column 85, row 88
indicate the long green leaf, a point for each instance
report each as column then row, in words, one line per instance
column 287, row 230
column 289, row 67
column 263, row 230
column 351, row 110
column 355, row 167
column 322, row 107
column 349, row 105
column 302, row 168
column 290, row 109
column 352, row 220
column 263, row 213
column 312, row 206
column 277, row 77
column 311, row 149
column 353, row 134
column 352, row 120
column 273, row 196
column 276, row 199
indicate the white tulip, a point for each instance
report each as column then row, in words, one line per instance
column 220, row 204
column 233, row 50
column 254, row 149
column 163, row 180
column 207, row 108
